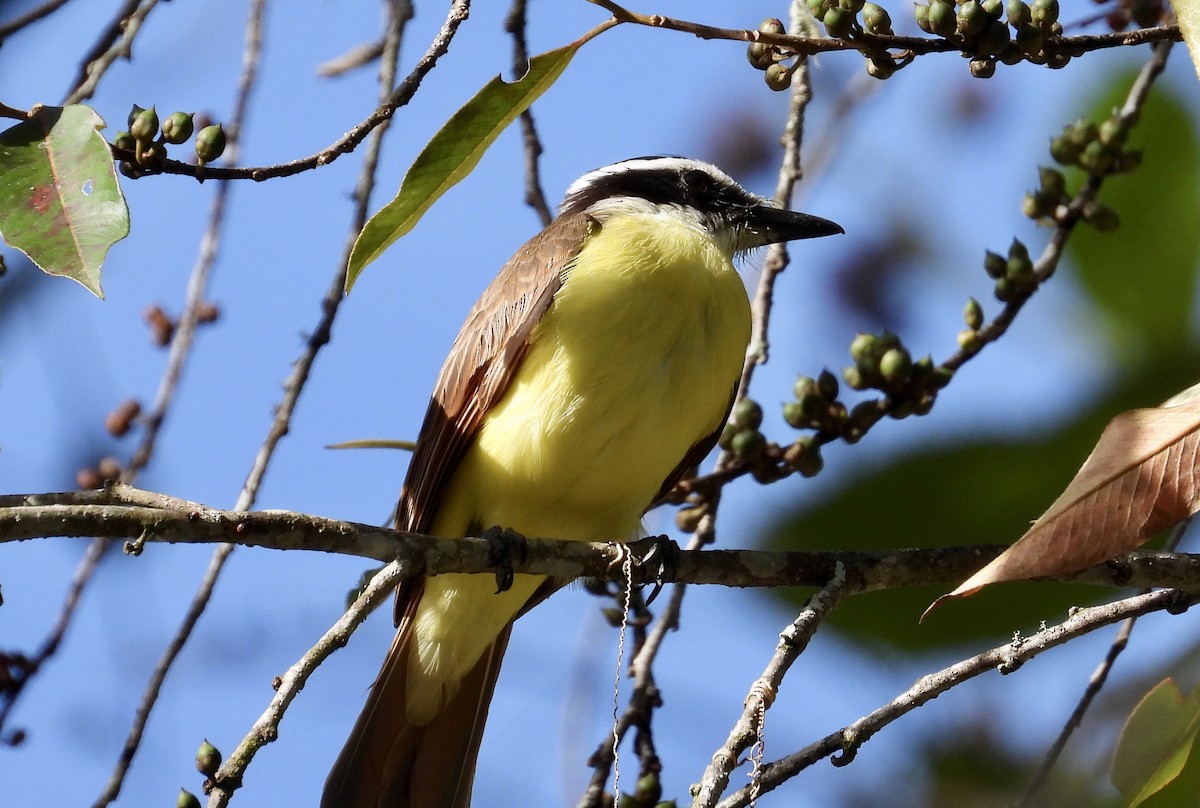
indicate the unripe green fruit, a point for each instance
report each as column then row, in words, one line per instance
column 134, row 112
column 838, row 22
column 1044, row 12
column 793, row 415
column 942, row 19
column 1029, row 38
column 805, row 457
column 1018, row 13
column 177, row 128
column 876, row 20
column 994, row 264
column 973, row 314
column 853, row 6
column 729, row 432
column 773, row 25
column 152, row 154
column 971, row 18
column 125, row 141
column 818, row 8
column 994, row 8
column 186, row 799
column 895, row 365
column 748, row 445
column 778, row 76
column 804, row 386
column 1112, row 133
column 969, row 340
column 993, row 41
column 1052, row 180
column 746, row 414
column 208, row 759
column 144, row 126
column 853, row 378
column 983, row 68
column 210, row 143
column 827, row 385
column 1006, row 291
column 1011, row 55
column 760, row 55
column 863, row 345
column 921, row 13
column 1064, row 150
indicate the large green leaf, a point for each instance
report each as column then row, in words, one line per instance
column 453, row 153
column 1156, row 742
column 1143, row 275
column 60, row 202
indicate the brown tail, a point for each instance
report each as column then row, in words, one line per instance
column 391, row 763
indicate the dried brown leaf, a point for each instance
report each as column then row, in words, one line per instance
column 1141, row 478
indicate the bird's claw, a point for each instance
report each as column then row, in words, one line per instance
column 504, row 544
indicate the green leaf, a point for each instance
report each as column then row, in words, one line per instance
column 454, row 152
column 1143, row 275
column 1156, row 742
column 1187, row 13
column 60, row 202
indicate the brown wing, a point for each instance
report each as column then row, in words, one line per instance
column 482, row 362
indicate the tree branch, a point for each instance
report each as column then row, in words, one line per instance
column 124, row 512
column 843, row 745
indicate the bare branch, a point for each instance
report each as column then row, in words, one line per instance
column 842, row 745
column 115, row 42
column 30, row 17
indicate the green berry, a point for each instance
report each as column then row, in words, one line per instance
column 746, row 414
column 983, row 68
column 1044, row 13
column 853, row 6
column 876, row 20
column 1006, row 291
column 827, row 385
column 853, row 378
column 994, row 264
column 1112, row 133
column 125, row 141
column 760, row 55
column 1052, row 180
column 793, row 415
column 177, row 128
column 818, row 8
column 942, row 19
column 971, row 18
column 134, row 112
column 778, row 76
column 921, row 12
column 773, row 25
column 186, row 799
column 880, row 68
column 748, row 445
column 994, row 40
column 969, row 340
column 144, row 126
column 1018, row 13
column 994, row 8
column 210, row 143
column 805, row 457
column 1064, row 150
column 838, row 22
column 895, row 365
column 973, row 314
column 208, row 759
column 1029, row 39
column 804, row 386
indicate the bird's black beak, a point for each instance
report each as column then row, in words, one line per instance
column 764, row 224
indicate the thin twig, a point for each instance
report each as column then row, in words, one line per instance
column 229, row 778
column 792, row 642
column 266, row 729
column 115, row 42
column 842, row 746
column 514, row 24
column 30, row 17
column 1095, row 684
column 181, row 344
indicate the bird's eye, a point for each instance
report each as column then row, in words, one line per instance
column 697, row 181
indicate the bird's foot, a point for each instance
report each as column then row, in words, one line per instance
column 504, row 544
column 662, row 554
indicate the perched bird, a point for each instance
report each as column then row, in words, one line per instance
column 596, row 370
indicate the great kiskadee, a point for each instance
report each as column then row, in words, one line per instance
column 595, row 371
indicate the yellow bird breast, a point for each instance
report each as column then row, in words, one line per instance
column 632, row 365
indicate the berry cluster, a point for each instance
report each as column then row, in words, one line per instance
column 978, row 27
column 146, row 140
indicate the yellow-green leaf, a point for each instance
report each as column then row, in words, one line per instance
column 454, row 152
column 60, row 202
column 1155, row 742
column 1187, row 12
